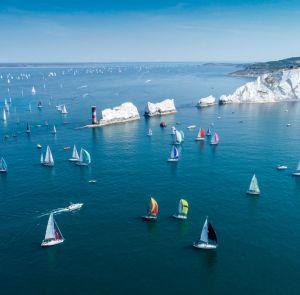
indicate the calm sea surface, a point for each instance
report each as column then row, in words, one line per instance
column 107, row 248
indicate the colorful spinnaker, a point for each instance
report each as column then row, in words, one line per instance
column 183, row 208
column 152, row 210
column 201, row 134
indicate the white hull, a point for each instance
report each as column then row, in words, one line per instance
column 178, row 216
column 48, row 164
column 214, row 143
column 296, row 173
column 74, row 207
column 172, row 160
column 282, row 167
column 149, row 218
column 204, row 246
column 3, row 170
column 73, row 160
column 81, row 164
column 51, row 243
column 199, row 138
column 254, row 193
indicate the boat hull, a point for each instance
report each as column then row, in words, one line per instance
column 297, row 173
column 3, row 170
column 252, row 193
column 48, row 164
column 149, row 218
column 205, row 246
column 179, row 216
column 282, row 167
column 52, row 243
column 73, row 160
column 172, row 160
column 214, row 143
column 199, row 138
column 81, row 164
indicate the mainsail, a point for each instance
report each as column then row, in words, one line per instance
column 64, row 110
column 204, row 233
column 3, row 165
column 75, row 153
column 33, row 90
column 52, row 231
column 48, row 157
column 28, row 128
column 4, row 115
column 254, row 185
column 215, row 139
column 298, row 167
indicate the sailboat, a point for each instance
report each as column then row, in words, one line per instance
column 53, row 235
column 28, row 128
column 178, row 137
column 253, row 188
column 201, row 134
column 75, row 156
column 54, row 130
column 48, row 160
column 215, row 139
column 40, row 105
column 208, row 238
column 84, row 158
column 150, row 132
column 3, row 166
column 33, row 92
column 208, row 132
column 174, row 156
column 64, row 110
column 29, row 107
column 297, row 171
column 152, row 210
column 4, row 116
column 183, row 208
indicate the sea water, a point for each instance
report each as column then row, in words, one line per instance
column 108, row 249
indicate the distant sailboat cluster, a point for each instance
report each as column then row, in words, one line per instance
column 208, row 237
column 83, row 159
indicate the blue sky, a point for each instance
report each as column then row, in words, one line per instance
column 129, row 30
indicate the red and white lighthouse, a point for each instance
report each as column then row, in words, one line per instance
column 94, row 115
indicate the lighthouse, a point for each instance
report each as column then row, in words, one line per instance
column 94, row 115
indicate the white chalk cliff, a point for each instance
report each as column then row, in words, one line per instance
column 123, row 113
column 164, row 107
column 278, row 86
column 206, row 101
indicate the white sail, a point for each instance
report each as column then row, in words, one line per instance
column 54, row 129
column 48, row 157
column 42, row 159
column 178, row 137
column 298, row 167
column 204, row 233
column 4, row 115
column 64, row 110
column 33, row 90
column 51, row 160
column 50, row 231
column 254, row 185
column 75, row 153
column 84, row 157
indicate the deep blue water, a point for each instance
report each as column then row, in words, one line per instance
column 107, row 248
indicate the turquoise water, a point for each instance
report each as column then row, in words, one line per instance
column 107, row 248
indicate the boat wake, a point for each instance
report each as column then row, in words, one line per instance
column 55, row 211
